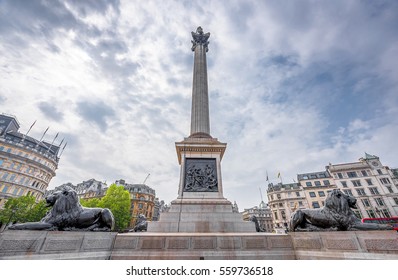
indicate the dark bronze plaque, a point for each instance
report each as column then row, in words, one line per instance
column 200, row 175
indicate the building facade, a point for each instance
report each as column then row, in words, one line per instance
column 263, row 214
column 27, row 165
column 316, row 186
column 371, row 183
column 374, row 185
column 142, row 200
column 283, row 200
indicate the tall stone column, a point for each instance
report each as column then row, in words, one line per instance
column 200, row 205
column 200, row 121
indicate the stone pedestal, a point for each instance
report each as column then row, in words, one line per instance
column 200, row 205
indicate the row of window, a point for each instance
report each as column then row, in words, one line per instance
column 355, row 174
column 320, row 194
column 357, row 183
column 11, row 165
column 318, row 183
column 34, row 158
column 278, row 196
column 22, row 180
column 16, row 191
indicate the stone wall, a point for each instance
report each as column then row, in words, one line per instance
column 99, row 245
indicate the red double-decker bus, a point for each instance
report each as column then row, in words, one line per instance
column 393, row 221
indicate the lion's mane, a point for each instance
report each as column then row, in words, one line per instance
column 66, row 208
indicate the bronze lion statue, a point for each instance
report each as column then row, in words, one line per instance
column 335, row 215
column 68, row 214
column 141, row 224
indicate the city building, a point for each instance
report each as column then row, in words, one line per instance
column 85, row 190
column 373, row 184
column 316, row 186
column 27, row 165
column 283, row 200
column 142, row 200
column 263, row 214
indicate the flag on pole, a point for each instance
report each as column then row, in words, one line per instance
column 267, row 175
column 63, row 150
column 31, row 127
column 279, row 174
column 44, row 134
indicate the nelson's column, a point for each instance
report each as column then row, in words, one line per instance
column 200, row 205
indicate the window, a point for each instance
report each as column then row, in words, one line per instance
column 305, row 177
column 379, row 201
column 5, row 189
column 366, row 202
column 317, row 183
column 390, row 190
column 358, row 214
column 374, row 191
column 369, row 181
column 140, row 205
column 344, row 184
column 272, row 197
column 315, row 204
column 5, row 175
column 278, row 196
column 361, row 192
column 348, row 192
column 15, row 191
column 386, row 213
column 280, row 204
column 1, row 162
column 283, row 214
column 308, row 184
column 371, row 213
column 276, row 215
column 379, row 171
column 326, row 182
column 352, row 174
column 313, row 176
column 12, row 178
column 301, row 203
column 297, row 194
column 321, row 193
column 396, row 200
column 385, row 181
column 364, row 173
column 312, row 194
column 340, row 175
column 356, row 183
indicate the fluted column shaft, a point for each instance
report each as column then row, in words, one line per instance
column 200, row 120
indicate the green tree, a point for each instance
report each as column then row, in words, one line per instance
column 92, row 202
column 22, row 209
column 117, row 199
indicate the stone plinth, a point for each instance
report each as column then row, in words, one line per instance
column 205, row 246
column 375, row 245
column 16, row 244
column 210, row 215
column 346, row 245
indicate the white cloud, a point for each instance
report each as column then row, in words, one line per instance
column 292, row 86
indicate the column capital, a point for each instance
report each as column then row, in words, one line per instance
column 200, row 38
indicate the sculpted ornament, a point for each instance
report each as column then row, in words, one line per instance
column 337, row 214
column 200, row 38
column 69, row 215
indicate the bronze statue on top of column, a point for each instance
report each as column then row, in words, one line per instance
column 200, row 38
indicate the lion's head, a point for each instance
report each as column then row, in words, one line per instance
column 65, row 207
column 339, row 202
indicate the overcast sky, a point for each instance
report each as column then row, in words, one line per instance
column 293, row 85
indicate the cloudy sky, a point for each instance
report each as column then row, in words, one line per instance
column 293, row 85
